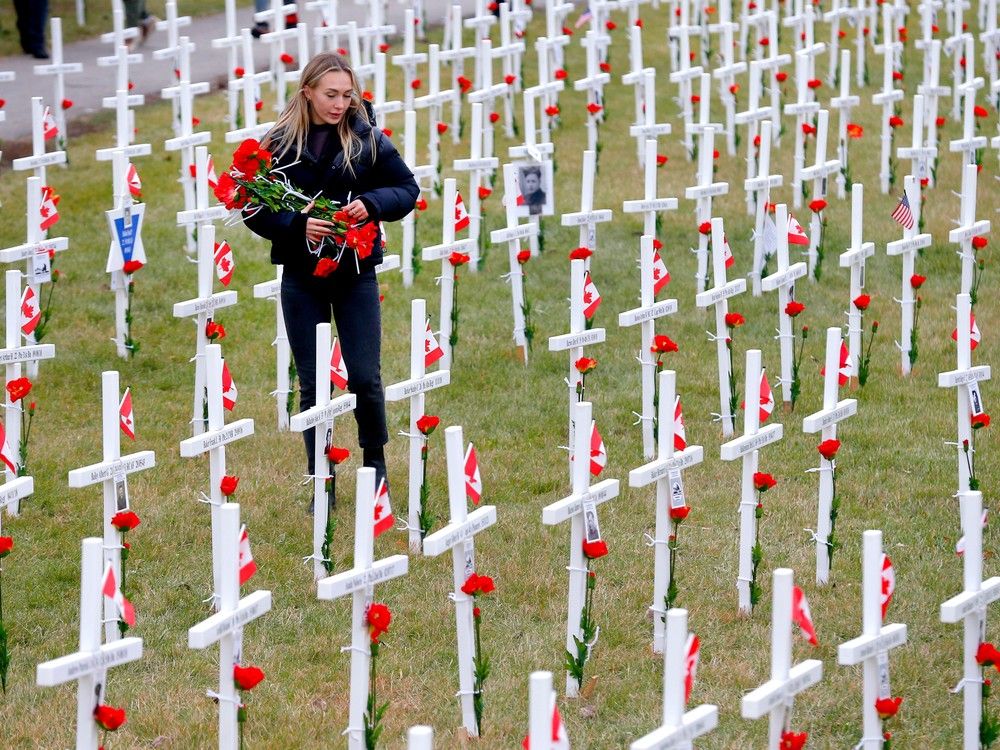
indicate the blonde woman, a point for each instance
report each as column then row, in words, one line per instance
column 327, row 142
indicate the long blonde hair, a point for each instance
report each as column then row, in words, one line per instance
column 292, row 126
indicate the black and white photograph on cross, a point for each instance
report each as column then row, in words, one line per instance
column 537, row 189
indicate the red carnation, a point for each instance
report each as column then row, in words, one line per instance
column 580, row 253
column 6, row 545
column 980, row 421
column 494, row 116
column 378, row 618
column 979, row 242
column 793, row 308
column 67, row 103
column 887, row 707
column 862, row 301
column 988, row 656
column 523, row 256
column 734, row 320
column 895, row 121
column 131, row 266
column 705, row 227
column 476, row 584
column 484, row 192
column 458, row 259
column 781, row 76
column 594, row 550
column 325, row 267
column 228, row 484
column 109, row 718
column 428, row 423
column 18, row 388
column 125, row 520
column 663, row 345
column 793, row 740
column 337, row 455
column 679, row 514
column 247, row 678
column 763, row 482
column 552, row 110
column 661, row 159
column 585, row 365
column 415, row 84
column 814, row 83
column 828, row 448
column 594, row 108
column 421, row 204
column 560, row 74
column 442, row 128
column 917, row 281
column 286, row 58
column 817, row 205
column 214, row 331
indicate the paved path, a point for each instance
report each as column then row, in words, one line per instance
column 86, row 89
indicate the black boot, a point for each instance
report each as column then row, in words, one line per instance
column 374, row 458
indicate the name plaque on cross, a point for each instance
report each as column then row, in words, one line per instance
column 477, row 521
column 210, row 631
column 102, row 472
column 406, row 388
column 351, row 581
column 195, row 446
column 306, row 419
column 742, row 445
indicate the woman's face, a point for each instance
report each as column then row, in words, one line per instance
column 330, row 98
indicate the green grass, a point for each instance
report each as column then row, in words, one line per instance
column 895, row 473
column 97, row 19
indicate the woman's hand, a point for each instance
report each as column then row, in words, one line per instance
column 356, row 211
column 316, row 229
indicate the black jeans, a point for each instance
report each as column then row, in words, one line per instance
column 32, row 15
column 353, row 302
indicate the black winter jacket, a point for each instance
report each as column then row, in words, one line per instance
column 386, row 186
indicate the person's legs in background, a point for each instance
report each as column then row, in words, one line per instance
column 32, row 15
column 261, row 27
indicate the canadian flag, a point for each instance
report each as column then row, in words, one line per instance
column 519, row 201
column 5, row 453
column 727, row 252
column 338, row 370
column 134, row 183
column 959, row 545
column 213, row 179
column 661, row 276
column 225, row 264
column 680, row 436
column 802, row 617
column 591, row 297
column 126, row 418
column 383, row 509
column 560, row 740
column 461, row 215
column 796, row 234
column 473, row 479
column 112, row 591
column 598, row 453
column 888, row 583
column 31, row 313
column 49, row 128
column 690, row 664
column 974, row 334
column 48, row 211
column 247, row 566
column 229, row 392
column 432, row 349
column 766, row 397
column 846, row 369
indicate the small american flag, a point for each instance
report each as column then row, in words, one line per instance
column 902, row 214
column 583, row 18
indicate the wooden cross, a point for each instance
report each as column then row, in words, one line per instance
column 434, row 102
column 248, row 85
column 587, row 218
column 719, row 297
column 775, row 696
column 932, row 92
column 825, row 421
column 803, row 108
column 111, row 471
column 758, row 189
column 965, row 379
column 871, row 648
column 410, row 59
column 555, row 18
column 58, row 70
column 455, row 54
column 119, row 36
column 326, row 34
column 89, row 665
column 854, row 257
column 593, row 83
column 320, row 419
column 185, row 139
column 747, row 447
column 907, row 248
column 122, row 103
column 887, row 98
column 844, row 104
column 820, row 173
column 546, row 94
column 969, row 143
column 665, row 471
column 271, row 290
column 679, row 727
column 478, row 169
column 726, row 72
column 636, row 78
column 232, row 42
column 571, row 509
column 754, row 117
column 481, row 21
column 360, row 582
column 968, row 227
column 645, row 316
column 510, row 53
column 683, row 73
column 172, row 24
column 414, row 388
column 702, row 194
column 512, row 234
column 841, row 10
column 442, row 252
column 275, row 40
column 213, row 442
column 921, row 157
column 225, row 627
column 487, row 92
column 650, row 206
column 970, row 607
column 424, row 174
column 39, row 159
column 769, row 66
column 955, row 46
column 459, row 537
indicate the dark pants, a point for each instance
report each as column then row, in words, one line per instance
column 31, row 18
column 135, row 12
column 354, row 304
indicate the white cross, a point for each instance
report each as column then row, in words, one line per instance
column 360, row 582
column 424, row 174
column 679, row 727
column 541, row 700
column 248, row 85
column 636, row 78
column 758, row 160
column 6, row 76
column 645, row 316
column 555, row 18
column 232, row 42
column 719, row 297
column 969, row 143
column 854, row 258
column 726, row 73
column 125, row 224
column 281, row 75
column 803, row 108
column 841, row 10
column 420, row 738
column 887, row 97
column 39, row 159
column 410, row 59
column 459, row 537
column 89, row 665
column 758, row 189
column 747, row 447
column 442, row 252
column 932, row 91
column 119, row 36
column 921, row 157
column 545, row 94
column 834, row 411
column 277, row 16
column 593, row 83
column 455, row 54
column 478, row 169
column 703, row 193
column 122, row 103
column 414, row 388
column 684, row 73
column 510, row 53
column 964, row 378
column 968, row 226
column 955, row 45
column 587, row 218
column 970, row 607
column 665, row 471
column 770, row 65
column 481, row 20
column 58, row 69
column 571, row 509
column 487, row 92
column 871, row 648
column 380, row 106
column 775, row 696
column 173, row 24
column 326, row 33
column 434, row 102
column 843, row 104
column 512, row 235
column 225, row 627
column 820, row 173
column 282, row 393
column 650, row 206
column 907, row 247
column 213, row 442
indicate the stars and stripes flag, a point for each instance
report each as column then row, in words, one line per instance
column 802, row 617
column 975, row 335
column 680, row 436
column 560, row 740
column 225, row 264
column 338, row 370
column 583, row 18
column 112, row 590
column 461, row 215
column 48, row 210
column 690, row 664
column 384, row 519
column 902, row 214
column 888, row 583
column 591, row 297
column 229, row 392
column 31, row 313
column 661, row 276
column 473, row 479
column 598, row 453
column 6, row 455
column 134, row 183
column 126, row 417
column 49, row 127
column 432, row 349
column 247, row 566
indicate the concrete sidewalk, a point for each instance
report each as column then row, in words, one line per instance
column 86, row 89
